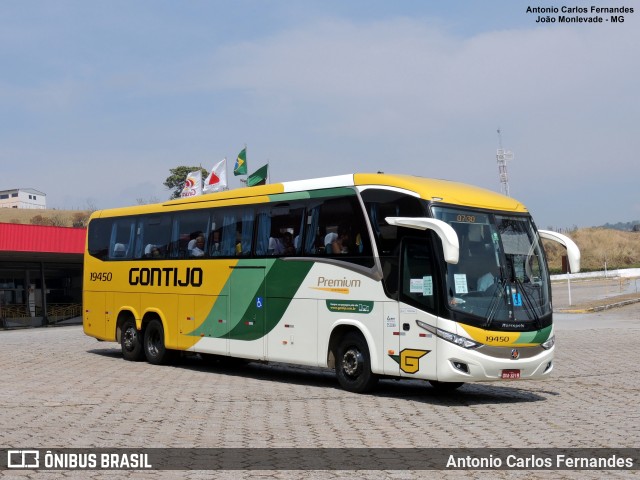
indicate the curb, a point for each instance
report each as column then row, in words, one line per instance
column 600, row 308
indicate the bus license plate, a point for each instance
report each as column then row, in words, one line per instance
column 510, row 374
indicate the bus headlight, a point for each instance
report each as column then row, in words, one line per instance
column 549, row 343
column 449, row 337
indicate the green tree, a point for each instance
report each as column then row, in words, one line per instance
column 175, row 181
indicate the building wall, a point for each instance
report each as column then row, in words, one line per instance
column 23, row 198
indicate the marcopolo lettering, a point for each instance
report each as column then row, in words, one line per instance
column 166, row 277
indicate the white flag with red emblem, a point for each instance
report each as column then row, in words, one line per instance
column 192, row 185
column 217, row 179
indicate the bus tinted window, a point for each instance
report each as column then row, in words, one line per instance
column 153, row 236
column 98, row 238
column 380, row 204
column 418, row 282
column 237, row 231
column 122, row 236
column 336, row 228
column 187, row 228
column 279, row 230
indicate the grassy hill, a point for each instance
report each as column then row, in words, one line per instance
column 619, row 249
column 58, row 218
column 599, row 245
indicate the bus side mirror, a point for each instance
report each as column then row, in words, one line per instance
column 573, row 252
column 445, row 232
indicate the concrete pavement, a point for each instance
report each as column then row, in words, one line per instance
column 61, row 389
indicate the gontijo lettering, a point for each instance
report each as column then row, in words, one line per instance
column 166, row 277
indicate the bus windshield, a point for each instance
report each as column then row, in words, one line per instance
column 501, row 280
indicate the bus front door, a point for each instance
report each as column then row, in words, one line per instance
column 417, row 357
column 417, row 353
column 247, row 310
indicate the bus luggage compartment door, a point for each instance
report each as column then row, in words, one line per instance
column 247, row 310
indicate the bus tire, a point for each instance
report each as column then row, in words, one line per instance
column 445, row 386
column 154, row 348
column 353, row 364
column 131, row 341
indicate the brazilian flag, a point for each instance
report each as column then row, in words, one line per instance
column 240, row 167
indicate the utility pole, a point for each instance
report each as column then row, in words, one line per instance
column 502, row 157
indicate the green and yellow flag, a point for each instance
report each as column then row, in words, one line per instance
column 259, row 177
column 240, row 167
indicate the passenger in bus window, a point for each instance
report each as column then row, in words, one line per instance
column 198, row 247
column 275, row 246
column 359, row 244
column 329, row 238
column 215, row 244
column 238, row 248
column 340, row 244
column 193, row 237
column 287, row 244
column 151, row 251
column 119, row 250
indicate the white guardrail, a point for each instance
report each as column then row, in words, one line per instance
column 624, row 273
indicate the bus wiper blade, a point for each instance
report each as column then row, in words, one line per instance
column 495, row 301
column 530, row 310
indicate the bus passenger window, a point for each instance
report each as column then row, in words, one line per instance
column 237, row 231
column 99, row 232
column 153, row 235
column 279, row 230
column 122, row 234
column 187, row 227
column 336, row 228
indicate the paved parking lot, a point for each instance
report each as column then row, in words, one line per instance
column 584, row 293
column 61, row 389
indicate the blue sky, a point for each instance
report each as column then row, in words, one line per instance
column 100, row 99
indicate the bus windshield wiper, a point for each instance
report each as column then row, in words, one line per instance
column 495, row 302
column 530, row 308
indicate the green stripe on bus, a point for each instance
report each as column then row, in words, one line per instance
column 321, row 193
column 542, row 335
column 287, row 197
column 280, row 286
column 258, row 301
column 538, row 336
column 332, row 192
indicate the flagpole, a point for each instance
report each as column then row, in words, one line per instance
column 226, row 173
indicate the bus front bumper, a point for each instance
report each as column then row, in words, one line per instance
column 487, row 364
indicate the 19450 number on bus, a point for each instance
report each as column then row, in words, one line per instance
column 100, row 276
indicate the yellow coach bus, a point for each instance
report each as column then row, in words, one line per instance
column 372, row 275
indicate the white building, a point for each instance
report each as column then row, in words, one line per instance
column 23, row 198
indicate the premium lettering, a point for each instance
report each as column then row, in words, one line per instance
column 338, row 282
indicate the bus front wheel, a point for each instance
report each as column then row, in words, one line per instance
column 131, row 341
column 353, row 364
column 154, row 348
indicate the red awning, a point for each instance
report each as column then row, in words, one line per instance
column 37, row 238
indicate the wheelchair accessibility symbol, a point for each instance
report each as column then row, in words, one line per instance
column 259, row 302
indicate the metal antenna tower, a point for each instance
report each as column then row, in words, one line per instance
column 502, row 157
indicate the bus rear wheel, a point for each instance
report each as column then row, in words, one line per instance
column 353, row 364
column 131, row 342
column 154, row 348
